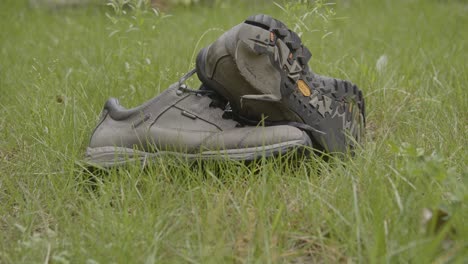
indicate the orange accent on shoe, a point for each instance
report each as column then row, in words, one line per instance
column 303, row 88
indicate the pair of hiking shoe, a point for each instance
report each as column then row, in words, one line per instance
column 258, row 98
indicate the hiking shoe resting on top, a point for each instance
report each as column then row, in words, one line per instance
column 261, row 67
column 184, row 123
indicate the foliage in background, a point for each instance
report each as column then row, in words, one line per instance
column 133, row 15
column 307, row 16
column 141, row 3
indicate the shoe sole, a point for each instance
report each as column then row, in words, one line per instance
column 107, row 157
column 332, row 106
column 327, row 104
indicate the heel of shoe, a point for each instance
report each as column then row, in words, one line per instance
column 200, row 66
column 102, row 117
column 335, row 107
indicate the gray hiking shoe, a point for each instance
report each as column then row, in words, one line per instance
column 261, row 67
column 185, row 123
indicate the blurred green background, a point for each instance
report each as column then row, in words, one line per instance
column 61, row 60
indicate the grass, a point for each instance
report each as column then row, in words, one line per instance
column 58, row 66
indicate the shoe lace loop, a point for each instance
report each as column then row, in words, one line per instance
column 183, row 88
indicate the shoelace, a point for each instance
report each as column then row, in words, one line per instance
column 183, row 88
column 230, row 114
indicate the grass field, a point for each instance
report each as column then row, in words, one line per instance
column 59, row 65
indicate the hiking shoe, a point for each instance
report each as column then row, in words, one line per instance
column 187, row 123
column 261, row 67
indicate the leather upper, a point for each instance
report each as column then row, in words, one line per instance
column 175, row 121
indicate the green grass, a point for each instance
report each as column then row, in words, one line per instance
column 58, row 66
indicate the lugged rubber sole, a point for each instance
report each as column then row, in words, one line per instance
column 330, row 105
column 107, row 157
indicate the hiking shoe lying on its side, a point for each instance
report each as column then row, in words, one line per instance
column 261, row 67
column 186, row 123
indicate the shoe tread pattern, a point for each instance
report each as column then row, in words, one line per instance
column 331, row 106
